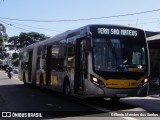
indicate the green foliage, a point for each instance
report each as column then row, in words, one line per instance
column 13, row 43
column 3, row 37
column 15, row 56
column 15, row 62
column 24, row 39
column 1, row 43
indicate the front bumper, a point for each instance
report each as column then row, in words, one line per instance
column 116, row 92
column 133, row 92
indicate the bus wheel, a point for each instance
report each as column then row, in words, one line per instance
column 41, row 82
column 114, row 99
column 66, row 89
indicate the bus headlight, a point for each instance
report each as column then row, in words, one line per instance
column 143, row 82
column 95, row 79
column 97, row 82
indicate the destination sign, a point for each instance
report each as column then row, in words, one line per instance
column 117, row 31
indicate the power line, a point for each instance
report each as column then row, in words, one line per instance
column 15, row 26
column 32, row 26
column 83, row 19
column 21, row 28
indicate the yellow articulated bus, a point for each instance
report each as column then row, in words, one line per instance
column 105, row 61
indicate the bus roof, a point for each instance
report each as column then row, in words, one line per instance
column 79, row 31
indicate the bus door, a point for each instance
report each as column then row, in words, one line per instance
column 48, row 64
column 80, row 67
column 30, row 66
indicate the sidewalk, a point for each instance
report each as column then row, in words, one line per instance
column 154, row 92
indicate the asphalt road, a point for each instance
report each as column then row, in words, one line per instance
column 15, row 97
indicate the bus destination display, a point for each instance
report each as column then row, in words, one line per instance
column 116, row 31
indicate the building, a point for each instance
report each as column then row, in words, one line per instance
column 153, row 39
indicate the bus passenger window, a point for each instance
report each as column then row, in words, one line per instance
column 70, row 48
column 71, row 61
column 57, row 62
column 39, row 52
column 42, row 64
column 38, row 63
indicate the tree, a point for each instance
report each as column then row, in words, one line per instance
column 3, row 37
column 15, row 56
column 24, row 39
column 1, row 43
column 15, row 59
column 13, row 43
column 2, row 34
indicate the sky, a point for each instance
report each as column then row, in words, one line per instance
column 56, row 10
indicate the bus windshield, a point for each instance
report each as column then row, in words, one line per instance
column 119, row 55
